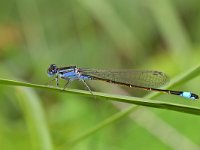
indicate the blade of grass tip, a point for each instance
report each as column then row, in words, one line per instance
column 34, row 115
column 194, row 72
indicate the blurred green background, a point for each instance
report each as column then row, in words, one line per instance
column 149, row 34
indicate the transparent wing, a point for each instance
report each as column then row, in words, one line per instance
column 143, row 78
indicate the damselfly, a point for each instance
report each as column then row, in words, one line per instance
column 146, row 80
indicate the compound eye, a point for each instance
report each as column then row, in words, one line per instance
column 52, row 70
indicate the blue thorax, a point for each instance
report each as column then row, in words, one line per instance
column 73, row 74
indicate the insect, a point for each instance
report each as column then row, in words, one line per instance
column 142, row 79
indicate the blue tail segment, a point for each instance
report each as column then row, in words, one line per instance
column 142, row 79
column 189, row 95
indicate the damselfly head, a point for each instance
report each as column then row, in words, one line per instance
column 52, row 70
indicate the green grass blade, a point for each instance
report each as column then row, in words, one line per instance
column 118, row 98
column 34, row 115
